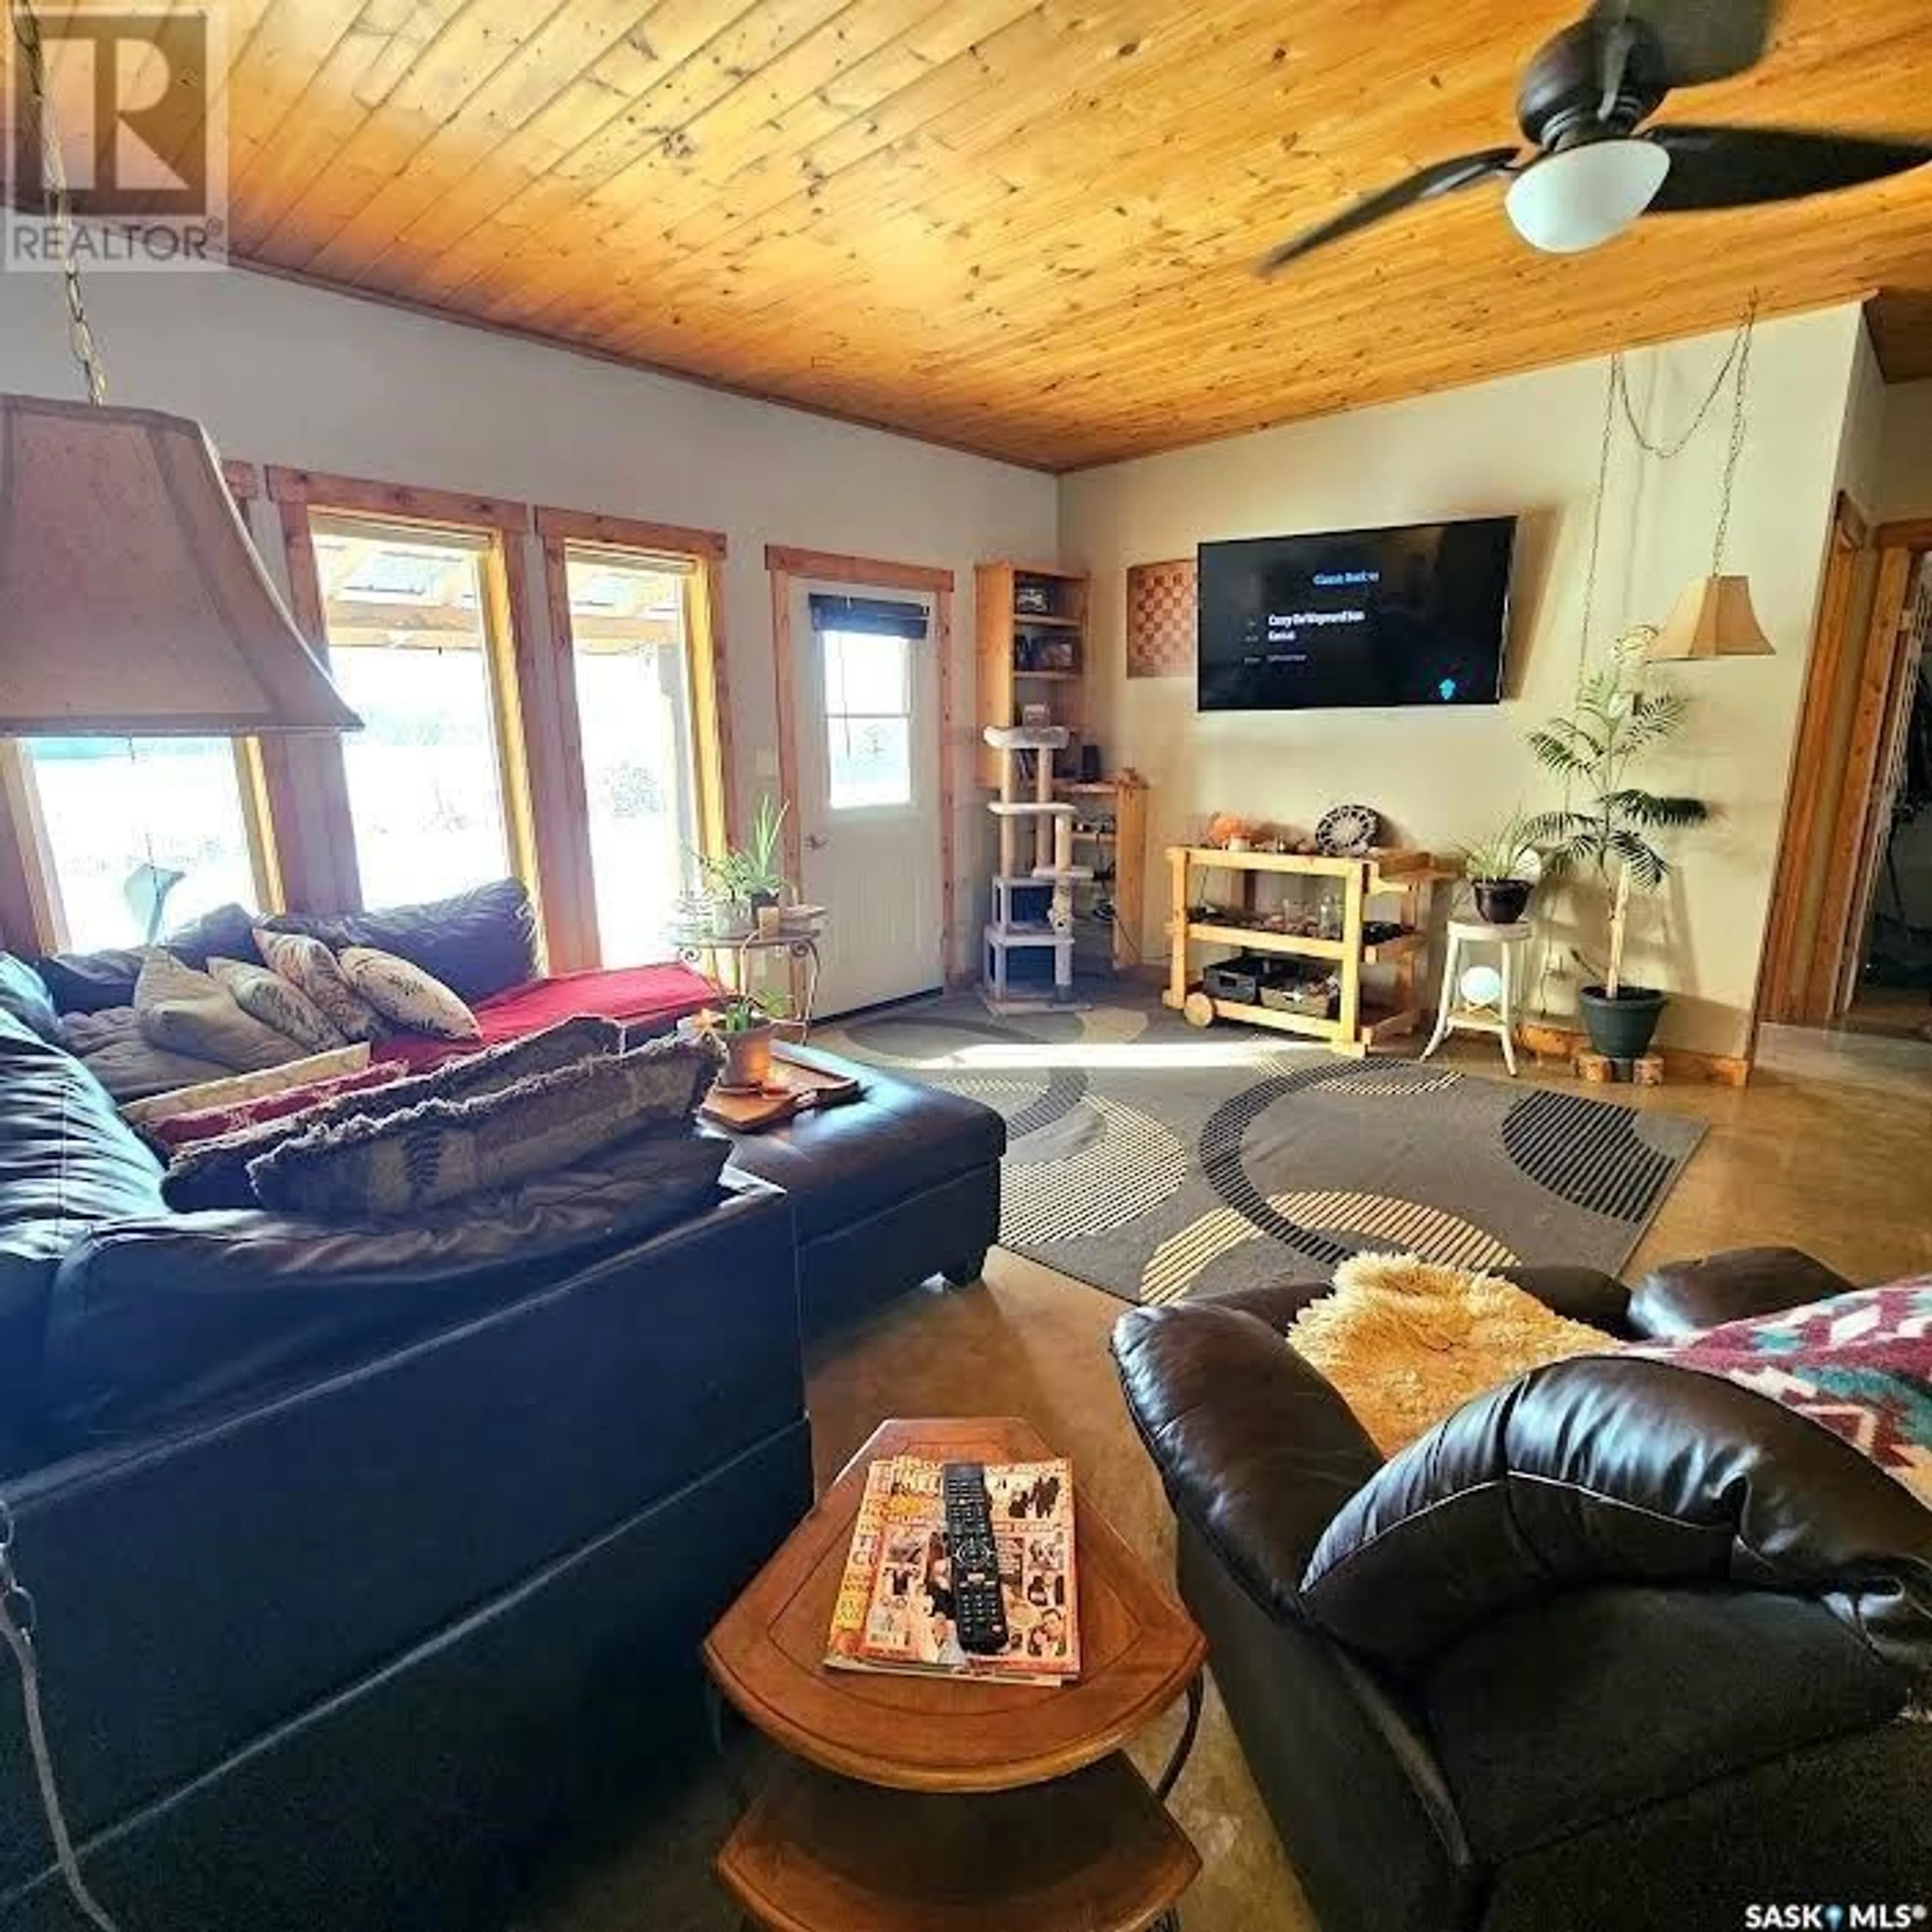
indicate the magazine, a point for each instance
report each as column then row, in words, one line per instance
column 895, row 1606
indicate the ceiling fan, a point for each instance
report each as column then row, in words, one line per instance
column 1594, row 168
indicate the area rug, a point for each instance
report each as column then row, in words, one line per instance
column 1157, row 1162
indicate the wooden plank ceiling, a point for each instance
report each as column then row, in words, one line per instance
column 1024, row 227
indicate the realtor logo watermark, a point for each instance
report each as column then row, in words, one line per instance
column 139, row 103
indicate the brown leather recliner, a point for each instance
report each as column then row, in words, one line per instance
column 1624, row 1716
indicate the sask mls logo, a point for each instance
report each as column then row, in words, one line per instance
column 136, row 103
column 1815, row 1916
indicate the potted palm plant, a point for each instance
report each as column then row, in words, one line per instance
column 1611, row 825
column 1502, row 871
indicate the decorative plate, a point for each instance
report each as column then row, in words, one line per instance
column 1347, row 831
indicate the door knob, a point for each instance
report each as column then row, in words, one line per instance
column 816, row 841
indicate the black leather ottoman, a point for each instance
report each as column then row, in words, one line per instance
column 887, row 1190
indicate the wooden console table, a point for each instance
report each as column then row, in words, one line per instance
column 1362, row 1021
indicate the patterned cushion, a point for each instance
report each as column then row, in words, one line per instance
column 406, row 996
column 443, row 1149
column 234, row 1097
column 184, row 1011
column 213, row 1171
column 309, row 966
column 278, row 1003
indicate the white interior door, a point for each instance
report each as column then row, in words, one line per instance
column 866, row 707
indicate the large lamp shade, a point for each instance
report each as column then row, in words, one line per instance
column 132, row 603
column 1713, row 618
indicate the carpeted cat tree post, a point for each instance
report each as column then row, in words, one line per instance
column 1033, row 909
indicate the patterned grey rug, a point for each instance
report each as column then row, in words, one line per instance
column 1156, row 1161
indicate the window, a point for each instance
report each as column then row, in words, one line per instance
column 414, row 645
column 632, row 664
column 142, row 834
column 868, row 719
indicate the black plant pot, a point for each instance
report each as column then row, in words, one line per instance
column 1501, row 901
column 1621, row 1028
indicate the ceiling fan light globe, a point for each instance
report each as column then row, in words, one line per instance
column 1580, row 196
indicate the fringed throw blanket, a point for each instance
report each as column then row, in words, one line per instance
column 1859, row 1364
column 1406, row 1343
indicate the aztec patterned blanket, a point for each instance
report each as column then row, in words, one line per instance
column 1859, row 1364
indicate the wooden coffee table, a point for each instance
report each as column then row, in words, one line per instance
column 922, row 1804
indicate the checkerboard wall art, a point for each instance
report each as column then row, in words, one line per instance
column 1160, row 618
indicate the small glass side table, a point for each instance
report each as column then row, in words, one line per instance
column 798, row 944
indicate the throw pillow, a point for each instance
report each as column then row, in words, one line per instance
column 478, row 944
column 184, row 1011
column 213, row 1172
column 309, row 966
column 88, row 982
column 234, row 1093
column 111, row 1045
column 266, row 996
column 406, row 996
column 444, row 1150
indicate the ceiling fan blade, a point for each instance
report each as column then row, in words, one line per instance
column 1443, row 178
column 1690, row 41
column 1738, row 167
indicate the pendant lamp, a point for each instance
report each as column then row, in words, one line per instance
column 132, row 601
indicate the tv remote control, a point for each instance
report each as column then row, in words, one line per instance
column 978, row 1612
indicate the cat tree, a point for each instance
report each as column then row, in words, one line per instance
column 1032, row 909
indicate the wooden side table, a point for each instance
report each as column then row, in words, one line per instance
column 927, row 1804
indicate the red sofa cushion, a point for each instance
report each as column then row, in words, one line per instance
column 659, row 995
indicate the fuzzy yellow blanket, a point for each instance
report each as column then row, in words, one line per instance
column 1406, row 1343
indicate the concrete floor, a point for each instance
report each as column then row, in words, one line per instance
column 1841, row 1166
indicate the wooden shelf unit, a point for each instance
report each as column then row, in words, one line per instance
column 1004, row 631
column 1359, row 1023
column 1001, row 629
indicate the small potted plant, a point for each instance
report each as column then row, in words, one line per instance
column 743, row 1026
column 742, row 878
column 1502, row 871
column 1611, row 829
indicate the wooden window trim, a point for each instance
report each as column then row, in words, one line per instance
column 31, row 918
column 1852, row 860
column 876, row 572
column 588, row 527
column 786, row 565
column 571, row 901
column 1785, row 973
column 321, row 875
column 358, row 495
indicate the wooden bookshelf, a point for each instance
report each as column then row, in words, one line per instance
column 1030, row 657
column 1368, row 1012
column 1042, row 657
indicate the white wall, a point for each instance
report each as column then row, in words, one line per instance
column 1530, row 445
column 280, row 374
column 1905, row 469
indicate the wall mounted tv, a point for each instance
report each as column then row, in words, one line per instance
column 1415, row 615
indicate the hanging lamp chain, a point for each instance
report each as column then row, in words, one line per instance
column 1737, row 448
column 59, row 208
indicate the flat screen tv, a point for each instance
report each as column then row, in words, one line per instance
column 1415, row 615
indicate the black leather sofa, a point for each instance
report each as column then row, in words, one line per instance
column 337, row 1647
column 1628, row 1755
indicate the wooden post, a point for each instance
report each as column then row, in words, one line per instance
column 1130, row 804
column 1042, row 793
column 1177, row 926
column 1009, row 794
column 1349, row 1020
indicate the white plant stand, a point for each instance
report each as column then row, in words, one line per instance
column 1014, row 926
column 1453, row 1014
